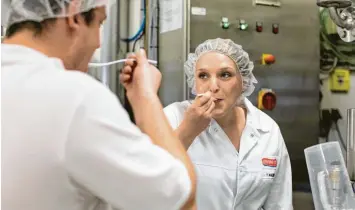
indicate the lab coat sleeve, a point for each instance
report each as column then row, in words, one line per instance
column 171, row 113
column 111, row 158
column 280, row 196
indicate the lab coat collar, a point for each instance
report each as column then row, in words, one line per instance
column 254, row 117
column 253, row 129
column 26, row 55
column 254, row 123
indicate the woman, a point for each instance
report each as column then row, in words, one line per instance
column 238, row 151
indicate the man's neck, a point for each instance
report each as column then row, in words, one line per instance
column 39, row 43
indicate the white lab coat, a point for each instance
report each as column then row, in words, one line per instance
column 228, row 179
column 67, row 143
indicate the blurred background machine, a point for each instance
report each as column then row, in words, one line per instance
column 342, row 13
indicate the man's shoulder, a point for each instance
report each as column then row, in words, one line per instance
column 84, row 83
column 80, row 79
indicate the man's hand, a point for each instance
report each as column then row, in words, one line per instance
column 139, row 77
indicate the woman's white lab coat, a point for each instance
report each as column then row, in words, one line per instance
column 256, row 177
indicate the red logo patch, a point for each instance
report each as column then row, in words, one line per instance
column 272, row 162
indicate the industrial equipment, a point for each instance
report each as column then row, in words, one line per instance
column 342, row 12
column 267, row 59
column 225, row 23
column 275, row 28
column 259, row 26
column 274, row 3
column 266, row 99
column 340, row 80
column 331, row 187
column 243, row 25
column 350, row 145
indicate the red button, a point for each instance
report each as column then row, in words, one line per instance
column 259, row 27
column 269, row 101
column 275, row 28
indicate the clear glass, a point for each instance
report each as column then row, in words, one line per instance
column 331, row 187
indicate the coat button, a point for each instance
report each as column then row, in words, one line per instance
column 252, row 135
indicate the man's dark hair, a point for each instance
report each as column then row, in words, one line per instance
column 38, row 27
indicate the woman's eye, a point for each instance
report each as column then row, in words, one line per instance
column 225, row 75
column 202, row 76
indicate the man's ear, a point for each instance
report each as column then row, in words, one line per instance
column 74, row 18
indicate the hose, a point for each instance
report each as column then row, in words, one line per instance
column 140, row 30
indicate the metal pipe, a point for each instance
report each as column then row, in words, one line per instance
column 122, row 46
column 109, row 47
column 350, row 143
column 157, row 35
column 147, row 27
column 334, row 15
column 186, row 47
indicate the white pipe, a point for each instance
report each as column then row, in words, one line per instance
column 116, row 62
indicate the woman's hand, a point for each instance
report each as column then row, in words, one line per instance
column 199, row 114
column 196, row 118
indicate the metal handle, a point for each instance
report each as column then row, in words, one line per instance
column 350, row 142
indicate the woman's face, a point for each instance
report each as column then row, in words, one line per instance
column 217, row 73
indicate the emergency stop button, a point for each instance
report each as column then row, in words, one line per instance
column 266, row 99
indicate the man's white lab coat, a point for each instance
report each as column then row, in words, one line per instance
column 257, row 177
column 67, row 143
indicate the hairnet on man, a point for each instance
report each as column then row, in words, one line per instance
column 67, row 142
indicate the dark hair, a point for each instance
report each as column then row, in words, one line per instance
column 38, row 27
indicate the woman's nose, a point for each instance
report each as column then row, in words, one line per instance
column 214, row 87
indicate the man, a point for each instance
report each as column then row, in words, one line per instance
column 67, row 143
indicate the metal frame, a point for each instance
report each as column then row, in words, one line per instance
column 186, row 49
column 350, row 144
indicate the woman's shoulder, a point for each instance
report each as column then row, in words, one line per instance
column 175, row 112
column 260, row 119
column 177, row 107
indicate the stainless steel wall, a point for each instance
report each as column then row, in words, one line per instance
column 172, row 50
column 294, row 76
